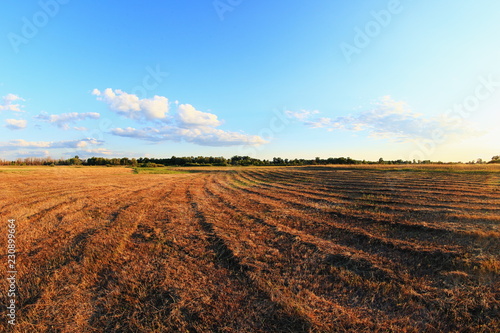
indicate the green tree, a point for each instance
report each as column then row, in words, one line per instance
column 75, row 161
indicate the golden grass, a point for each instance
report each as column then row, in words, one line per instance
column 304, row 249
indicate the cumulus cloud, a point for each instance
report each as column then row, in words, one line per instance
column 8, row 103
column 187, row 124
column 189, row 117
column 63, row 120
column 388, row 119
column 203, row 135
column 16, row 124
column 131, row 106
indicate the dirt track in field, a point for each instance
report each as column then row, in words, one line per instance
column 314, row 249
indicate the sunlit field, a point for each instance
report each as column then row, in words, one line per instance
column 269, row 249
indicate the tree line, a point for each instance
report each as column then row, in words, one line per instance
column 209, row 161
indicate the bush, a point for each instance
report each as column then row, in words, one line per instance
column 151, row 165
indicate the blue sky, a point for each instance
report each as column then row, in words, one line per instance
column 366, row 79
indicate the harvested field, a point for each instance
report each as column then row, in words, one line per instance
column 296, row 249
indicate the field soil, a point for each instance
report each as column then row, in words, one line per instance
column 269, row 249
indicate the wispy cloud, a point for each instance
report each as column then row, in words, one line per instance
column 302, row 115
column 204, row 135
column 148, row 133
column 64, row 120
column 8, row 103
column 16, row 124
column 131, row 106
column 208, row 136
column 388, row 119
column 89, row 152
column 82, row 153
column 33, row 153
column 20, row 143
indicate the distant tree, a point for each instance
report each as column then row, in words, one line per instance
column 114, row 161
column 124, row 161
column 279, row 161
column 75, row 161
column 495, row 159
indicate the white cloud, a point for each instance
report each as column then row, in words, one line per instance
column 76, row 143
column 82, row 153
column 25, row 144
column 20, row 143
column 392, row 120
column 8, row 103
column 33, row 153
column 9, row 98
column 149, row 134
column 63, row 120
column 16, row 124
column 155, row 108
column 208, row 136
column 131, row 106
column 85, row 153
column 301, row 115
column 188, row 124
column 205, row 136
column 189, row 117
